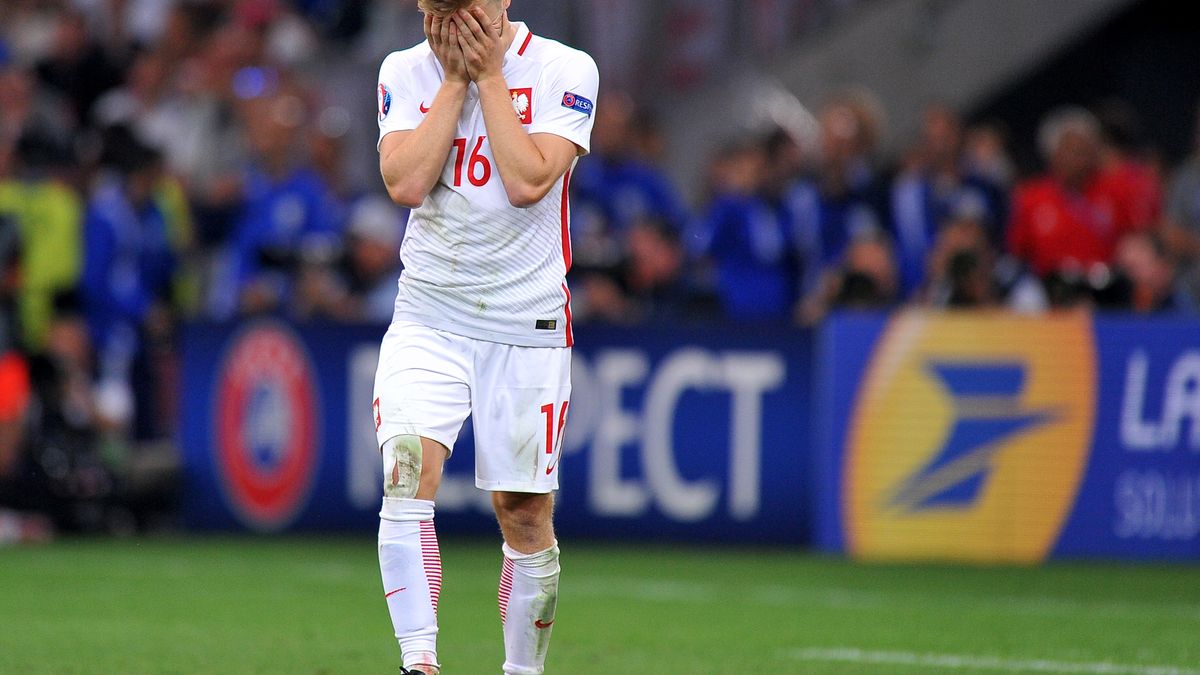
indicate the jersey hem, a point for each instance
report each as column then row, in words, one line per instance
column 384, row 133
column 580, row 140
column 416, row 430
column 532, row 488
column 558, row 339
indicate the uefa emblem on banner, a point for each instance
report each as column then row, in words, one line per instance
column 266, row 426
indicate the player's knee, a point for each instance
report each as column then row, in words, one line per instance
column 402, row 467
column 526, row 519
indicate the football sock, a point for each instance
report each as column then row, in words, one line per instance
column 411, row 566
column 528, row 597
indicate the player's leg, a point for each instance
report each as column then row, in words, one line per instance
column 528, row 579
column 519, row 411
column 410, row 562
column 421, row 402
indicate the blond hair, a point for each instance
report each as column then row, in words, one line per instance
column 443, row 7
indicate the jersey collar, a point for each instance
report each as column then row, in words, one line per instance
column 523, row 34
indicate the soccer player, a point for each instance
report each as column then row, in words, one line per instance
column 480, row 126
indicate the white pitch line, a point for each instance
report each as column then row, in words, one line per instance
column 976, row 662
column 832, row 597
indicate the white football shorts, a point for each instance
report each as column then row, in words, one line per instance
column 429, row 380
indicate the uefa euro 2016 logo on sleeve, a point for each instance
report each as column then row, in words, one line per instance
column 969, row 437
column 385, row 101
column 266, row 426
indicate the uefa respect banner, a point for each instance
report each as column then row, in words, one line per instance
column 992, row 438
column 1003, row 438
column 673, row 432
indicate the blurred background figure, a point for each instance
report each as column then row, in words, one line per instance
column 1181, row 224
column 20, row 498
column 288, row 208
column 128, row 269
column 985, row 154
column 1126, row 171
column 846, row 197
column 358, row 284
column 373, row 261
column 1068, row 222
column 651, row 286
column 208, row 151
column 936, row 181
column 742, row 236
column 654, row 276
column 962, row 266
column 79, row 68
column 1147, row 278
column 967, row 272
column 621, row 181
column 866, row 280
column 26, row 110
column 869, row 278
column 40, row 200
column 619, row 184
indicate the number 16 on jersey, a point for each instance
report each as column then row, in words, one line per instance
column 554, row 435
column 479, row 169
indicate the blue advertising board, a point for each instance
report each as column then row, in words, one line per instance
column 1001, row 438
column 672, row 433
column 984, row 437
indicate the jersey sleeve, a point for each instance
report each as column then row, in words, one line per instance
column 566, row 102
column 397, row 111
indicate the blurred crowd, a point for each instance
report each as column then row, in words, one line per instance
column 163, row 162
column 789, row 230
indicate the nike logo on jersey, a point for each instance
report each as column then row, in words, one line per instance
column 538, row 623
column 390, row 594
column 424, row 109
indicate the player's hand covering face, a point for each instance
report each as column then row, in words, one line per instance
column 481, row 40
column 442, row 34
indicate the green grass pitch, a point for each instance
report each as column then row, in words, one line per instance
column 298, row 605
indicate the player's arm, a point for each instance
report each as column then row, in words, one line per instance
column 411, row 161
column 529, row 164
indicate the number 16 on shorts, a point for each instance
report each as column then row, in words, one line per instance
column 554, row 432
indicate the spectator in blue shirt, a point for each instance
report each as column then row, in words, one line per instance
column 743, row 235
column 288, row 211
column 128, row 264
column 933, row 187
column 844, row 201
column 617, row 186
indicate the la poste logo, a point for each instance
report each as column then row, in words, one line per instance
column 969, row 438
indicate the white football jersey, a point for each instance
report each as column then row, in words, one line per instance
column 474, row 264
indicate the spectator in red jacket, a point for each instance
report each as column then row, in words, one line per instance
column 1069, row 219
column 1125, row 170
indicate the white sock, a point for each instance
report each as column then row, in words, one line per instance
column 411, row 566
column 528, row 597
